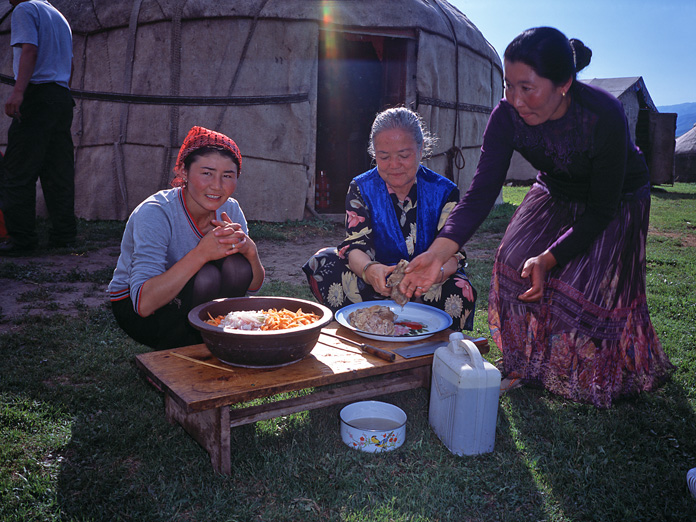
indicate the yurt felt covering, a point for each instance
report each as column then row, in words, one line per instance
column 685, row 157
column 146, row 71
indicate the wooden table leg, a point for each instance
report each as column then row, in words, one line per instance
column 425, row 374
column 211, row 429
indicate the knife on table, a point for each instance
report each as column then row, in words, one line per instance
column 368, row 348
column 429, row 347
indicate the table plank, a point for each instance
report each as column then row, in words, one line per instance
column 198, row 387
column 390, row 383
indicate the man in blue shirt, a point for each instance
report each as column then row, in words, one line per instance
column 39, row 144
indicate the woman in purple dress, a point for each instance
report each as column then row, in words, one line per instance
column 567, row 303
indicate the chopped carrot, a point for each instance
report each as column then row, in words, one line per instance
column 277, row 319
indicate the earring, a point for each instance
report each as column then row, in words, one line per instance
column 563, row 94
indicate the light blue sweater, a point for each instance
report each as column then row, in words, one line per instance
column 159, row 232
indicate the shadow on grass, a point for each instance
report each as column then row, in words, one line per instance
column 124, row 461
column 625, row 463
column 658, row 193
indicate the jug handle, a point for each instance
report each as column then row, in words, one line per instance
column 474, row 354
column 460, row 345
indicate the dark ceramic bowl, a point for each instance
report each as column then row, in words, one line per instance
column 259, row 349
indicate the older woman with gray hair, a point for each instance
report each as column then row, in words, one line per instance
column 393, row 212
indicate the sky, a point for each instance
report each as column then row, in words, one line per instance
column 655, row 39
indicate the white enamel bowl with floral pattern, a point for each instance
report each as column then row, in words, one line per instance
column 373, row 426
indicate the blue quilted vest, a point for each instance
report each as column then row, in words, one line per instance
column 390, row 245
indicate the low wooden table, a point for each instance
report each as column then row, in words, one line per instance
column 199, row 388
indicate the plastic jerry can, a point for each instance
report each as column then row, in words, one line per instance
column 464, row 397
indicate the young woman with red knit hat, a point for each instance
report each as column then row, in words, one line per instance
column 185, row 246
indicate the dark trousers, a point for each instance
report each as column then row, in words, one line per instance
column 169, row 326
column 40, row 146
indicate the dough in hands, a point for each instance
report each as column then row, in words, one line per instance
column 393, row 282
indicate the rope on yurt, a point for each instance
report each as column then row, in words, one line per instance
column 79, row 120
column 466, row 107
column 455, row 155
column 196, row 101
column 117, row 162
column 174, row 89
column 455, row 158
column 242, row 56
column 191, row 101
column 128, row 65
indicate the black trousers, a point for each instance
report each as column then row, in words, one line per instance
column 40, row 146
column 169, row 326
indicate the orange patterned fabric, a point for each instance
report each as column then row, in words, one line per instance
column 199, row 137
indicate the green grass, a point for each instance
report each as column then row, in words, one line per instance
column 83, row 437
column 674, row 211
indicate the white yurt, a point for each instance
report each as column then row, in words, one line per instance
column 685, row 157
column 296, row 83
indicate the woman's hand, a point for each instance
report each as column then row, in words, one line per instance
column 536, row 268
column 424, row 270
column 218, row 243
column 376, row 276
column 421, row 273
column 231, row 238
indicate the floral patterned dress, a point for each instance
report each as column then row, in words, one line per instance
column 335, row 285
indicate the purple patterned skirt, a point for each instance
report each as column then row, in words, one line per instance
column 590, row 338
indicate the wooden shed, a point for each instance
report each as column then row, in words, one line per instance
column 296, row 83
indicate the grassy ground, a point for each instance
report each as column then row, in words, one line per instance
column 83, row 437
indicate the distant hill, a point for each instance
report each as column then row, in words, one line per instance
column 686, row 116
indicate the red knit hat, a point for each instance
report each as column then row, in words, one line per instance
column 199, row 137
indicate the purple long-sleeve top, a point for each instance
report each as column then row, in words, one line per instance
column 587, row 155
